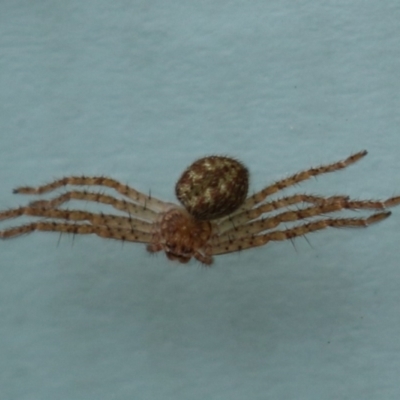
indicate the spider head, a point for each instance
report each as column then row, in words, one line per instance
column 182, row 237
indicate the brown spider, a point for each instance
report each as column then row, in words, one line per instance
column 217, row 218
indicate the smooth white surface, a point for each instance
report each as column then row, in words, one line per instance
column 137, row 90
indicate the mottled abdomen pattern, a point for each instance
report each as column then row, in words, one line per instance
column 213, row 187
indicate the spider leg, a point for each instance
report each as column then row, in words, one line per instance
column 105, row 220
column 138, row 197
column 139, row 211
column 299, row 177
column 331, row 205
column 260, row 225
column 301, row 230
column 81, row 229
column 243, row 217
column 373, row 204
column 205, row 259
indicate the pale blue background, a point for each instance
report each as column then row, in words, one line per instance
column 139, row 89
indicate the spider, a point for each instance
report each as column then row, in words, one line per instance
column 216, row 216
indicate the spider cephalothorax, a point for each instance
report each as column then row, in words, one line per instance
column 216, row 217
column 181, row 236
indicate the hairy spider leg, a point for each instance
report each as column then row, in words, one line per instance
column 244, row 217
column 130, row 208
column 102, row 220
column 258, row 197
column 257, row 226
column 138, row 197
column 81, row 229
column 301, row 230
column 260, row 225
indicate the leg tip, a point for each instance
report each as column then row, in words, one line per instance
column 379, row 217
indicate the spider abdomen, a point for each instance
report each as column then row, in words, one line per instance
column 213, row 187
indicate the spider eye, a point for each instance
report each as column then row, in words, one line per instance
column 213, row 187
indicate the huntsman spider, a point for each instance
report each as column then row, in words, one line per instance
column 216, row 216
